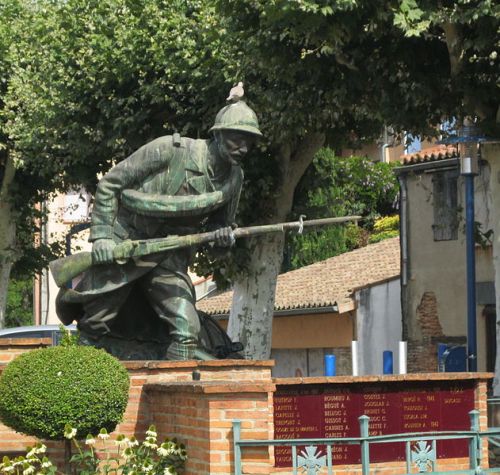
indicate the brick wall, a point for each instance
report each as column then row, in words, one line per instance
column 423, row 346
column 12, row 347
column 200, row 412
column 182, row 411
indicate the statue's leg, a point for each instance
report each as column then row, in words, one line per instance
column 100, row 311
column 171, row 294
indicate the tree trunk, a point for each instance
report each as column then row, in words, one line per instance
column 253, row 302
column 252, row 310
column 7, row 235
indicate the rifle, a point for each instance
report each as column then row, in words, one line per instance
column 67, row 268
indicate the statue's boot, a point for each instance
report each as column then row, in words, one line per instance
column 200, row 354
column 187, row 351
column 180, row 351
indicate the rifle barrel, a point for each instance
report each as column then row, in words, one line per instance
column 281, row 227
column 67, row 268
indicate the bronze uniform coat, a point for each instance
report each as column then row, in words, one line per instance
column 172, row 176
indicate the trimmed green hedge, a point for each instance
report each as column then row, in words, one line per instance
column 43, row 390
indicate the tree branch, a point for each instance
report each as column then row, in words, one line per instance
column 293, row 166
column 454, row 43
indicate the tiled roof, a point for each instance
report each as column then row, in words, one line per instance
column 327, row 282
column 431, row 154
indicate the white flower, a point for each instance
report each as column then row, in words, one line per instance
column 37, row 449
column 127, row 453
column 151, row 432
column 46, row 464
column 163, row 451
column 31, row 453
column 90, row 440
column 122, row 440
column 150, row 444
column 69, row 432
column 103, row 434
column 40, row 449
column 29, row 470
column 8, row 469
column 133, row 442
column 147, row 468
column 59, row 373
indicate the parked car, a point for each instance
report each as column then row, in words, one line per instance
column 213, row 338
column 36, row 331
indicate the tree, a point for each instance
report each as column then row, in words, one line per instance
column 85, row 83
column 104, row 77
column 21, row 189
column 328, row 73
column 7, row 11
column 19, row 303
column 340, row 186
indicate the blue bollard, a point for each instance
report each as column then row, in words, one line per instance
column 330, row 366
column 388, row 362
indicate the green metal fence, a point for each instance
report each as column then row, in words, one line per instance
column 421, row 454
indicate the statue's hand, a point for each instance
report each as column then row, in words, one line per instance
column 102, row 251
column 224, row 237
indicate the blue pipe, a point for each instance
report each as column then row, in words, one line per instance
column 471, row 273
column 387, row 364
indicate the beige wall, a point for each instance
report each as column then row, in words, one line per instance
column 439, row 267
column 63, row 213
column 315, row 330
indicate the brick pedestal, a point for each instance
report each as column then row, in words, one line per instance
column 196, row 402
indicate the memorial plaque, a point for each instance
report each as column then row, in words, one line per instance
column 331, row 411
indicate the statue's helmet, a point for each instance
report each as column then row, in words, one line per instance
column 237, row 116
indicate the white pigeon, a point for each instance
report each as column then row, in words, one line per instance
column 236, row 93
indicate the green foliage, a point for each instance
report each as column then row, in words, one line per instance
column 364, row 45
column 340, row 186
column 377, row 237
column 68, row 338
column 19, row 303
column 384, row 228
column 43, row 390
column 85, row 83
column 387, row 223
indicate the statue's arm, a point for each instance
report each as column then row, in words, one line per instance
column 223, row 222
column 124, row 175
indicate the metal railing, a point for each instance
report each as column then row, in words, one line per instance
column 308, row 457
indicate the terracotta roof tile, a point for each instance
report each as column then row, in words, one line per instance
column 327, row 282
column 431, row 154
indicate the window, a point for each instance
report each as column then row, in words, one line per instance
column 445, row 225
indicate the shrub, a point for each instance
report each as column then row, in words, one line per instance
column 387, row 223
column 44, row 390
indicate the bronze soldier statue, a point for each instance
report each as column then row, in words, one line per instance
column 170, row 186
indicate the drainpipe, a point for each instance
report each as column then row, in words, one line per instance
column 403, row 225
column 403, row 239
column 471, row 272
